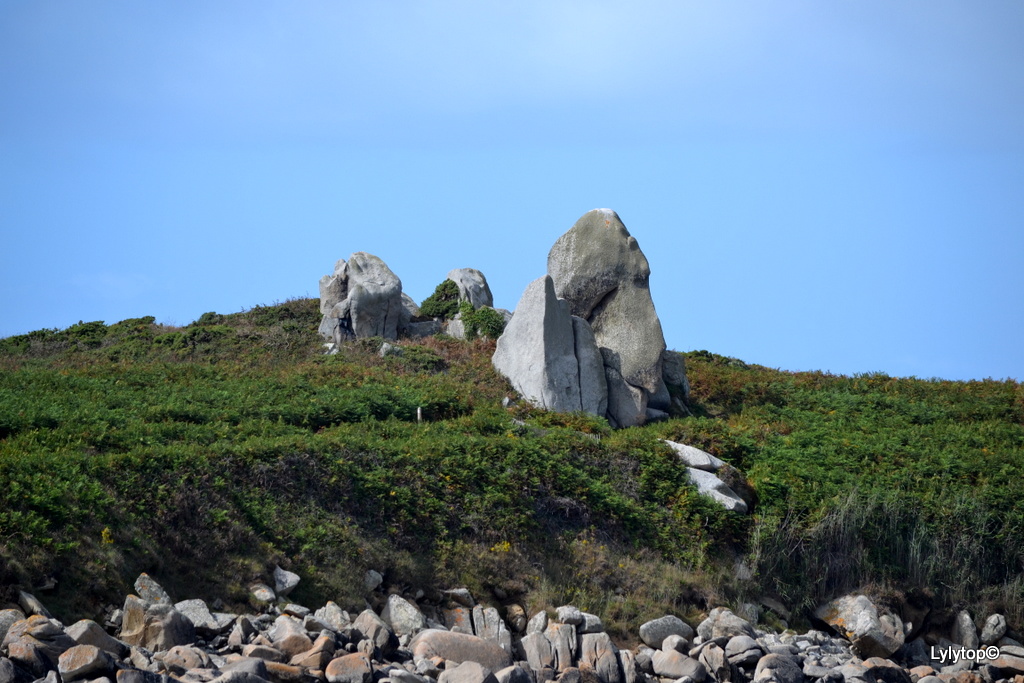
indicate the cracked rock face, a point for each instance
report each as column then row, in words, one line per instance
column 598, row 268
column 548, row 355
column 363, row 298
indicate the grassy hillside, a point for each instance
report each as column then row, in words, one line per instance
column 205, row 454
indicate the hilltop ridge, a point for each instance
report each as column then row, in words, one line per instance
column 207, row 453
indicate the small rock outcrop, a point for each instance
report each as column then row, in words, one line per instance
column 472, row 286
column 363, row 298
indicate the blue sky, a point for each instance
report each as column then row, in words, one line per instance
column 817, row 185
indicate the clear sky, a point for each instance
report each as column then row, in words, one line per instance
column 817, row 185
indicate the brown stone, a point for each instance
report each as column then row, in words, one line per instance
column 353, row 668
column 459, row 647
column 83, row 661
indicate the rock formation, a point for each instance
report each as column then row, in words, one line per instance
column 549, row 355
column 472, row 286
column 363, row 298
column 599, row 272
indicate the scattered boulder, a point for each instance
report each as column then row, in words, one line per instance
column 467, row 672
column 695, row 457
column 856, row 618
column 352, row 668
column 716, row 489
column 654, row 632
column 284, row 581
column 84, row 661
column 994, row 629
column 403, row 617
column 459, row 647
column 472, row 286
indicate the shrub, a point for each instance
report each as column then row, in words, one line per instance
column 482, row 322
column 443, row 303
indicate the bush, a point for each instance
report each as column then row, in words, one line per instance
column 443, row 303
column 482, row 322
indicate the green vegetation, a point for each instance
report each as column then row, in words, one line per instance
column 443, row 303
column 206, row 453
column 481, row 322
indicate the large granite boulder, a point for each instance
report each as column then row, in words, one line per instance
column 598, row 268
column 549, row 357
column 472, row 286
column 363, row 298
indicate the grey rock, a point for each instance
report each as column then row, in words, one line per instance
column 598, row 653
column 261, row 592
column 288, row 636
column 675, row 642
column 88, row 632
column 994, row 629
column 459, row 619
column 628, row 666
column 183, row 658
column 372, row 579
column 459, row 647
column 722, row 623
column 565, row 644
column 333, row 288
column 467, row 672
column 140, row 676
column 674, row 372
column 7, row 618
column 743, row 651
column 402, row 676
column 284, row 581
column 964, row 632
column 537, row 351
column 472, row 286
column 513, row 674
column 337, row 618
column 409, row 311
column 240, row 677
column 151, row 591
column 423, row 329
column 674, row 664
column 250, row 665
column 591, row 623
column 293, row 610
column 352, row 668
column 598, row 268
column 714, row 660
column 538, row 622
column 31, row 605
column 460, row 595
column 654, row 632
column 695, row 457
column 374, row 629
column 538, row 651
column 404, row 617
column 713, row 487
column 627, row 405
column 856, row 618
column 36, row 643
column 199, row 614
column 569, row 614
column 262, row 651
column 592, row 380
column 779, row 669
column 374, row 302
column 12, row 673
